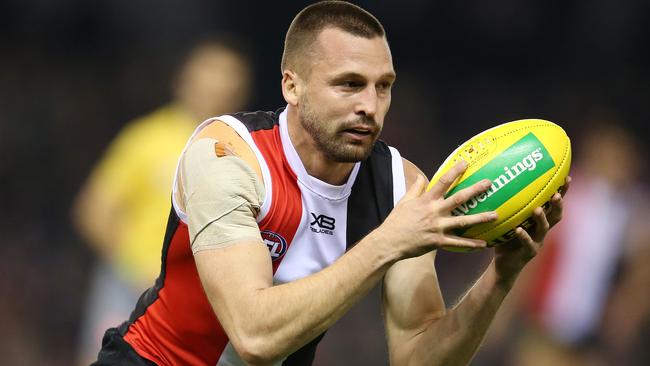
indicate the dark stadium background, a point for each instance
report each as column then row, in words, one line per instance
column 73, row 72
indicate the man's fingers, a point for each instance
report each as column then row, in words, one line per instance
column 461, row 242
column 541, row 224
column 443, row 184
column 464, row 195
column 557, row 207
column 554, row 212
column 526, row 240
column 459, row 222
column 565, row 187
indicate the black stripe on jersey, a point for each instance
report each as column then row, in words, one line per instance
column 371, row 199
column 151, row 294
column 370, row 202
column 259, row 120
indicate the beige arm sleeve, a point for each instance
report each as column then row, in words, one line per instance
column 221, row 195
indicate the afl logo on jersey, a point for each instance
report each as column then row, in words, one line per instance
column 276, row 244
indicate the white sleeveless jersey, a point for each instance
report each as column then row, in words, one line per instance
column 306, row 224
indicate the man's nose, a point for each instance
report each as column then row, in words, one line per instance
column 367, row 104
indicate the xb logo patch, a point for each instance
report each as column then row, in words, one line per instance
column 325, row 224
column 276, row 244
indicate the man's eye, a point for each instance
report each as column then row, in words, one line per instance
column 384, row 86
column 351, row 84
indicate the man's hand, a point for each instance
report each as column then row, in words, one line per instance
column 422, row 221
column 511, row 257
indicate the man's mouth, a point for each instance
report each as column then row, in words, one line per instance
column 362, row 131
column 359, row 134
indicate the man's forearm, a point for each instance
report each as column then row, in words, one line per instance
column 94, row 215
column 280, row 319
column 454, row 338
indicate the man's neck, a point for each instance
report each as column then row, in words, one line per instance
column 316, row 163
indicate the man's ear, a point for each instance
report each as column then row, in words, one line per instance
column 290, row 87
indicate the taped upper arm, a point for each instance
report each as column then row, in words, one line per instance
column 219, row 189
column 230, row 143
column 222, row 197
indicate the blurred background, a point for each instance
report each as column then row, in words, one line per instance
column 75, row 75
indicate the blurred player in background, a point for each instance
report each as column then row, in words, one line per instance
column 593, row 259
column 123, row 207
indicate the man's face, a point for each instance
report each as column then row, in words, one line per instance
column 346, row 94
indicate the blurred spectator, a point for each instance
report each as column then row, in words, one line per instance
column 122, row 209
column 591, row 260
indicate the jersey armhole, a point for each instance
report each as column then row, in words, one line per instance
column 399, row 177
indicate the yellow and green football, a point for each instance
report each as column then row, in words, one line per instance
column 527, row 162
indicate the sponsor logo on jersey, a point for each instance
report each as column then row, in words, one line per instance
column 324, row 224
column 276, row 244
column 510, row 172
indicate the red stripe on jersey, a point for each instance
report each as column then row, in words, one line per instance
column 179, row 328
column 286, row 205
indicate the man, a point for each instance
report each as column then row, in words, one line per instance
column 121, row 210
column 338, row 211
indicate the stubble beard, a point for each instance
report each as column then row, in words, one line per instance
column 330, row 141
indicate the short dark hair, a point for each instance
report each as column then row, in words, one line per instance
column 308, row 24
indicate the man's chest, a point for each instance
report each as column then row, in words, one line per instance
column 319, row 238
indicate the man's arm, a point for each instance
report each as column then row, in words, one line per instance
column 100, row 203
column 420, row 330
column 95, row 214
column 266, row 323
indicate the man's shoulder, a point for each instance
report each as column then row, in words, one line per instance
column 259, row 120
